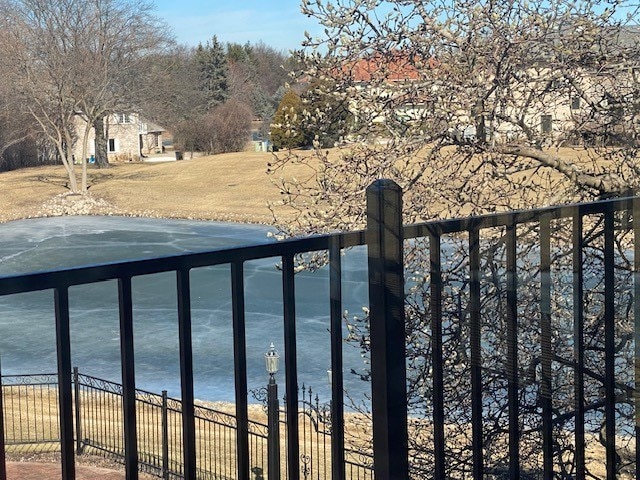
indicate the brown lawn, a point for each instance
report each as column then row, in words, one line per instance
column 229, row 187
column 222, row 187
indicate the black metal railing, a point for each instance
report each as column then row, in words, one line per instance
column 514, row 345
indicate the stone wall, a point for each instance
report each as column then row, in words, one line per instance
column 125, row 143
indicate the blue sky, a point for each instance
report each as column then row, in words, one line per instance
column 278, row 23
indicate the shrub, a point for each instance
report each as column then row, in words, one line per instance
column 225, row 129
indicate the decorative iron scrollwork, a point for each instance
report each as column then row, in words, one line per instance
column 305, row 468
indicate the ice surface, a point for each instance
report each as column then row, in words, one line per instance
column 27, row 335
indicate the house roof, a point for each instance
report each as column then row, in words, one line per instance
column 392, row 67
column 154, row 128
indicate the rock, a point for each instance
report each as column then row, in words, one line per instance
column 75, row 204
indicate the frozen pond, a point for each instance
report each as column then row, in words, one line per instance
column 27, row 339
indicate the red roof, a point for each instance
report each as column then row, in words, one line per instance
column 396, row 67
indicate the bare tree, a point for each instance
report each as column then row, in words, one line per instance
column 74, row 62
column 485, row 95
column 474, row 108
column 257, row 72
column 172, row 90
column 224, row 129
column 124, row 35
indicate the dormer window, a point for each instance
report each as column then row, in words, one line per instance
column 124, row 118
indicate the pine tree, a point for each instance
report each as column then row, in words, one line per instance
column 212, row 64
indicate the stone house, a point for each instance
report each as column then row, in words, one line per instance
column 129, row 138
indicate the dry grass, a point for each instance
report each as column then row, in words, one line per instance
column 230, row 187
column 221, row 187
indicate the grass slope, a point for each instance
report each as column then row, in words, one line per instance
column 222, row 187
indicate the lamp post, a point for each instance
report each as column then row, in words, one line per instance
column 271, row 359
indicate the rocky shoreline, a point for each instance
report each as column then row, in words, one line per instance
column 69, row 204
column 74, row 204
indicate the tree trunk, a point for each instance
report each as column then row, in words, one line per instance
column 102, row 160
column 85, row 151
column 67, row 160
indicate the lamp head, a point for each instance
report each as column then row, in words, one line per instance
column 271, row 360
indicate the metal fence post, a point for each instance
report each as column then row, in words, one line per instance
column 76, row 392
column 387, row 330
column 273, row 421
column 3, row 460
column 127, row 363
column 165, row 436
column 65, row 389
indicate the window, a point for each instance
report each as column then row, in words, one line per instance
column 546, row 123
column 575, row 103
column 112, row 145
column 124, row 118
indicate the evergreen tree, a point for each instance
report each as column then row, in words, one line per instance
column 211, row 61
column 285, row 131
column 256, row 72
column 327, row 118
column 239, row 53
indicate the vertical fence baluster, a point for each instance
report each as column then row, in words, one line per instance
column 635, row 206
column 100, row 422
column 186, row 375
column 435, row 278
column 291, row 366
column 240, row 370
column 512, row 352
column 12, row 409
column 165, row 437
column 52, row 407
column 76, row 389
column 578, row 341
column 128, row 378
column 387, row 337
column 20, row 415
column 337, row 381
column 65, row 389
column 545, row 338
column 29, row 413
column 609, row 343
column 476, row 353
column 38, row 423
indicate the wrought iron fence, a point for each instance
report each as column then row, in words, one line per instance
column 33, row 403
column 31, row 418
